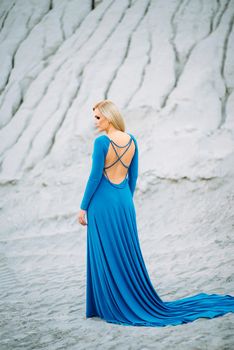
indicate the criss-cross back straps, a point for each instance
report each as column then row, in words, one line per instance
column 119, row 157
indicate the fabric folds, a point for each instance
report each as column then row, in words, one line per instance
column 119, row 289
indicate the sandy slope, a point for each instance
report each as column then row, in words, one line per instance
column 170, row 70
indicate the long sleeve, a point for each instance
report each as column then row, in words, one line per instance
column 95, row 176
column 133, row 169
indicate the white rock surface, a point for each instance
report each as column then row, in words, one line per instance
column 169, row 67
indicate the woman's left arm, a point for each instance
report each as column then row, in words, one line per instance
column 95, row 176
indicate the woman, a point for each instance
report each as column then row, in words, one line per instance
column 118, row 287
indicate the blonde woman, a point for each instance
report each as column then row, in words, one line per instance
column 118, row 287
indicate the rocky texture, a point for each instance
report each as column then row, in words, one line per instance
column 169, row 67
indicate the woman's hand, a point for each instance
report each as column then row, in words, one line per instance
column 81, row 217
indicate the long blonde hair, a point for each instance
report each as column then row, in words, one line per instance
column 109, row 110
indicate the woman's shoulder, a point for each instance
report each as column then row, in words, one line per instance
column 103, row 139
column 101, row 142
column 134, row 139
column 131, row 135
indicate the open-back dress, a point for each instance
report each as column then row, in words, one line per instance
column 118, row 287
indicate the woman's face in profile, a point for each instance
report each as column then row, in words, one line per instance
column 101, row 123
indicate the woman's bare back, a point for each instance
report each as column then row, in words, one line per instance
column 118, row 171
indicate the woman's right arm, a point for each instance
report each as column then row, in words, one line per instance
column 133, row 169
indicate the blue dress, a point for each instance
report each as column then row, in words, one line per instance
column 118, row 287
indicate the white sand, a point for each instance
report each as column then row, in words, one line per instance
column 169, row 67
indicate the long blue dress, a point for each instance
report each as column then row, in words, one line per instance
column 118, row 287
